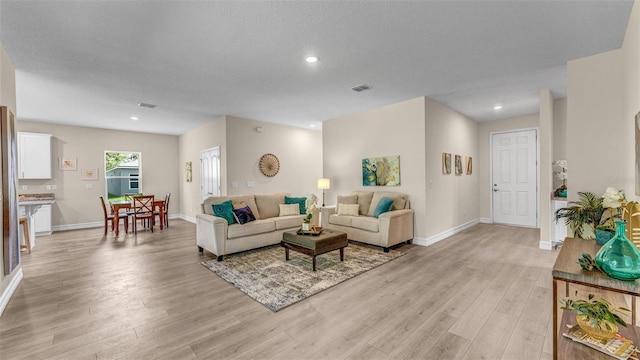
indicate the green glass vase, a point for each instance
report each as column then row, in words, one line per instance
column 619, row 257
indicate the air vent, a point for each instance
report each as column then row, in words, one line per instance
column 150, row 106
column 361, row 88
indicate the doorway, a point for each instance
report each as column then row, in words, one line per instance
column 514, row 178
column 210, row 172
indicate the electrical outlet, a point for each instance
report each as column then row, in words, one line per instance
column 249, row 183
column 24, row 187
column 234, row 184
column 48, row 187
column 54, row 187
column 89, row 186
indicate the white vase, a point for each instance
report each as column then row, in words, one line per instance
column 306, row 226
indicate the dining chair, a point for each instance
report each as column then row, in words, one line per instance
column 109, row 217
column 143, row 210
column 631, row 214
column 165, row 209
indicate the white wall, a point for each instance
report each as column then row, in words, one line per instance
column 559, row 134
column 78, row 206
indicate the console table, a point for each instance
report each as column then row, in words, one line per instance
column 566, row 270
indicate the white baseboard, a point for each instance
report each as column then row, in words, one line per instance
column 545, row 245
column 95, row 224
column 8, row 292
column 190, row 219
column 486, row 221
column 445, row 234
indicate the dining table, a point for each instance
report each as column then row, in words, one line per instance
column 116, row 206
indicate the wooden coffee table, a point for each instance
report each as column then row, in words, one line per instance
column 314, row 245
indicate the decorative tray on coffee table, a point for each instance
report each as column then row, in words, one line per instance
column 314, row 231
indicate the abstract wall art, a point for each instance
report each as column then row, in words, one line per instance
column 381, row 171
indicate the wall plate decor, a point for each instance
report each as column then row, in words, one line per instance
column 381, row 171
column 469, row 165
column 269, row 165
column 187, row 171
column 458, row 165
column 446, row 163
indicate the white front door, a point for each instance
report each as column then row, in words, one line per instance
column 514, row 178
column 210, row 172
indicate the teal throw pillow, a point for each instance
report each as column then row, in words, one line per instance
column 302, row 201
column 225, row 211
column 383, row 206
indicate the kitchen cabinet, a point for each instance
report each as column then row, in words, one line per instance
column 34, row 155
column 42, row 219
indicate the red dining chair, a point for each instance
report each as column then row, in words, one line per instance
column 143, row 210
column 109, row 217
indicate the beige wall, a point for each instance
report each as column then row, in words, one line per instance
column 191, row 144
column 631, row 66
column 78, row 206
column 484, row 140
column 451, row 200
column 419, row 130
column 299, row 151
column 545, row 161
column 596, row 124
column 7, row 98
column 559, row 134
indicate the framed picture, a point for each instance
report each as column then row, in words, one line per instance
column 446, row 163
column 187, row 171
column 381, row 171
column 469, row 166
column 89, row 174
column 68, row 164
column 458, row 165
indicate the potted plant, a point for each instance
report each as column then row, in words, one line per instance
column 598, row 318
column 583, row 215
column 306, row 224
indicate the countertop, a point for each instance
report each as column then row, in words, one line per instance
column 36, row 199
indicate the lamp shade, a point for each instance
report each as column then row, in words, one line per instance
column 324, row 183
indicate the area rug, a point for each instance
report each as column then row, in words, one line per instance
column 265, row 276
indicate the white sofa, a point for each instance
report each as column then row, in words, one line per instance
column 215, row 235
column 390, row 228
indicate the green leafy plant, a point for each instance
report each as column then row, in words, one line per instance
column 308, row 218
column 586, row 212
column 595, row 311
column 588, row 263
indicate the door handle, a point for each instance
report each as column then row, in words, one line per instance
column 495, row 190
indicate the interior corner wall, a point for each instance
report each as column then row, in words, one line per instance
column 7, row 98
column 298, row 150
column 396, row 129
column 190, row 144
column 631, row 66
column 77, row 203
column 484, row 159
column 451, row 200
column 596, row 123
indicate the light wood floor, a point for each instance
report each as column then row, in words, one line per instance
column 85, row 296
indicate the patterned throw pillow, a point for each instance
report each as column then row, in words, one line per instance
column 348, row 209
column 302, row 201
column 383, row 206
column 289, row 209
column 225, row 211
column 244, row 215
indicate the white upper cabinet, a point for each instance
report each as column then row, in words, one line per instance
column 34, row 156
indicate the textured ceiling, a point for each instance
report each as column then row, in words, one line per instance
column 89, row 63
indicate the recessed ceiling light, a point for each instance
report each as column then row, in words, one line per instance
column 312, row 126
column 311, row 59
column 134, row 118
column 497, row 107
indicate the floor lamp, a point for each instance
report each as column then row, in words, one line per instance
column 324, row 184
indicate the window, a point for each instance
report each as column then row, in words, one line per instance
column 122, row 171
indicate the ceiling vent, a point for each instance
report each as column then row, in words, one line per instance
column 150, row 106
column 361, row 88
